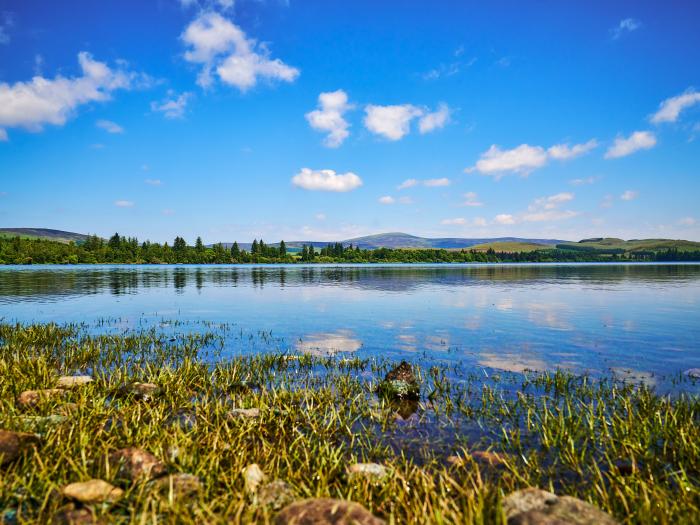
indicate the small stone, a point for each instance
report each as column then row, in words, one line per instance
column 533, row 506
column 68, row 382
column 326, row 511
column 253, row 476
column 179, row 485
column 400, row 383
column 490, row 458
column 244, row 413
column 141, row 391
column 276, row 494
column 69, row 515
column 133, row 464
column 693, row 373
column 373, row 471
column 92, row 491
column 12, row 444
column 31, row 398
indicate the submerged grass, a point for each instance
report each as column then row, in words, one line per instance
column 623, row 448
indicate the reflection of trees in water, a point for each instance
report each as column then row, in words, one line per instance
column 46, row 284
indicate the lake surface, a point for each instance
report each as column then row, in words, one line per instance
column 640, row 320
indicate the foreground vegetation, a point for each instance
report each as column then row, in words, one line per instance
column 449, row 457
column 118, row 249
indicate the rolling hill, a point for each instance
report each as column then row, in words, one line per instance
column 613, row 245
column 43, row 233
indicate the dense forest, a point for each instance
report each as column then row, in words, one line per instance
column 119, row 249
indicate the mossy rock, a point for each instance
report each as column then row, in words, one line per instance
column 400, row 384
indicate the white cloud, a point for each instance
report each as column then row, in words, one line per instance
column 408, row 183
column 454, row 222
column 504, row 218
column 498, row 162
column 218, row 44
column 173, row 106
column 480, row 221
column 33, row 104
column 435, row 120
column 581, row 182
column 109, row 126
column 392, row 122
column 566, row 152
column 124, row 204
column 326, row 180
column 547, row 208
column 153, row 182
column 688, row 221
column 626, row 146
column 386, row 199
column 432, row 183
column 329, row 117
column 629, row 195
column 670, row 109
column 3, row 135
column 472, row 199
column 626, row 25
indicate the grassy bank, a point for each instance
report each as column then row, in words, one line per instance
column 451, row 457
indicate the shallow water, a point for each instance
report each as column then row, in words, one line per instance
column 640, row 320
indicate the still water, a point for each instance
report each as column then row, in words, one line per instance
column 639, row 320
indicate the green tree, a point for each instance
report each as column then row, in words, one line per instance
column 283, row 249
column 235, row 251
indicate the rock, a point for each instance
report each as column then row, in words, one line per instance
column 276, row 494
column 31, row 398
column 141, row 391
column 490, row 458
column 92, row 491
column 373, row 471
column 253, row 476
column 400, row 383
column 133, row 464
column 13, row 444
column 244, row 413
column 533, row 506
column 326, row 511
column 179, row 485
column 69, row 515
column 68, row 382
column 693, row 373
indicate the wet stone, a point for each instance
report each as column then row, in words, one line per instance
column 92, row 491
column 31, row 398
column 400, row 383
column 326, row 511
column 13, row 444
column 276, row 494
column 179, row 485
column 68, row 382
column 533, row 506
column 132, row 464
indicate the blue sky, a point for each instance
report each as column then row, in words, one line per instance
column 328, row 120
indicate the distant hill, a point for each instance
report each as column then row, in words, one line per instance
column 43, row 233
column 611, row 244
column 511, row 247
column 403, row 240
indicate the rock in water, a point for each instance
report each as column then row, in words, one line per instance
column 92, row 491
column 400, row 383
column 12, row 444
column 68, row 382
column 326, row 511
column 253, row 476
column 133, row 464
column 31, row 398
column 533, row 506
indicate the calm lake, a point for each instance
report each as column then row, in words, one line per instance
column 640, row 320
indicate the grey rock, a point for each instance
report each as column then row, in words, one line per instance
column 326, row 511
column 68, row 382
column 534, row 506
column 134, row 464
column 13, row 444
column 276, row 494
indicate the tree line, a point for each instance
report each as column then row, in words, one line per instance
column 121, row 249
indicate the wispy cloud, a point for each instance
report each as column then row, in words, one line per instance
column 627, row 25
column 429, row 183
column 671, row 108
column 566, row 152
column 457, row 221
column 173, row 105
column 629, row 195
column 124, row 204
column 639, row 140
column 472, row 199
column 435, row 120
column 109, row 126
column 153, row 182
column 386, row 199
column 548, row 208
column 326, row 180
column 394, row 122
column 582, row 181
column 434, row 183
column 408, row 183
column 522, row 159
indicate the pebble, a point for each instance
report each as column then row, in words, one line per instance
column 253, row 476
column 534, row 506
column 326, row 511
column 92, row 491
column 133, row 464
column 68, row 382
column 244, row 413
column 372, row 471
